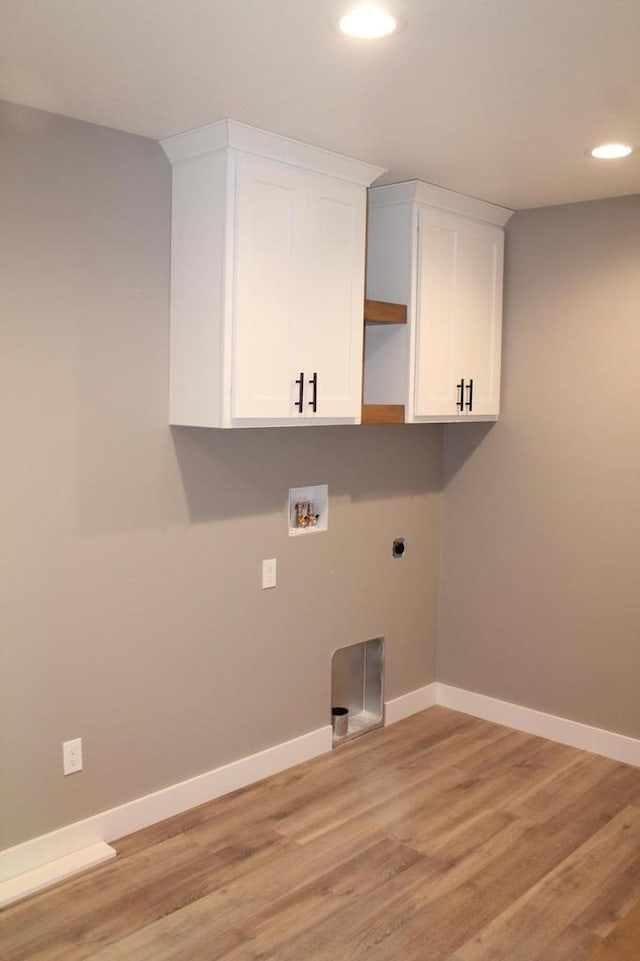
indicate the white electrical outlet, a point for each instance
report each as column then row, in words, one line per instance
column 72, row 756
column 268, row 573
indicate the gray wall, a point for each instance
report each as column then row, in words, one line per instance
column 540, row 600
column 131, row 612
column 131, row 609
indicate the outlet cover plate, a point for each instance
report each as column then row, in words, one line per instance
column 72, row 756
column 269, row 573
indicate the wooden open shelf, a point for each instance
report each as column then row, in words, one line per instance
column 379, row 312
column 383, row 413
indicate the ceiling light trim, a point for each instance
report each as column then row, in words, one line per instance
column 612, row 150
column 368, row 21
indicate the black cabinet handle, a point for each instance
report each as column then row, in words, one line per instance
column 313, row 403
column 300, row 383
column 460, row 396
column 470, row 395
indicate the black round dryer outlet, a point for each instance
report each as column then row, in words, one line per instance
column 398, row 547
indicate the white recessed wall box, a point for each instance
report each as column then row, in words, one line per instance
column 308, row 510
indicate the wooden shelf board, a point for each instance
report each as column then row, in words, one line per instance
column 379, row 312
column 383, row 413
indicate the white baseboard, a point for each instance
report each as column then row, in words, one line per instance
column 69, row 845
column 58, row 870
column 411, row 703
column 27, row 867
column 119, row 821
column 618, row 747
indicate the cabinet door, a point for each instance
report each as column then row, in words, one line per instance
column 435, row 369
column 459, row 306
column 267, row 344
column 479, row 316
column 334, row 290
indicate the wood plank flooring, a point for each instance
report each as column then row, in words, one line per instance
column 440, row 838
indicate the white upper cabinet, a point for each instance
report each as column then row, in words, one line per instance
column 267, row 280
column 442, row 255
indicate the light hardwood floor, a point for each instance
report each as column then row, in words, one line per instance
column 440, row 838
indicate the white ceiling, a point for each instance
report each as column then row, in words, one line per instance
column 495, row 98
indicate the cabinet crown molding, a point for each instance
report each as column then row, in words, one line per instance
column 224, row 134
column 418, row 192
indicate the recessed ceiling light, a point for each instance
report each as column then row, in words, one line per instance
column 368, row 22
column 611, row 151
